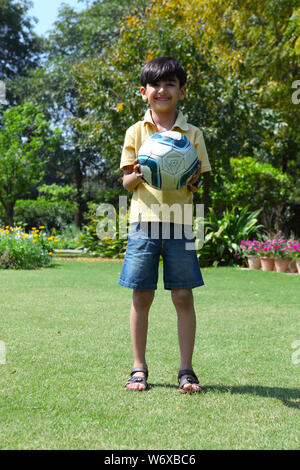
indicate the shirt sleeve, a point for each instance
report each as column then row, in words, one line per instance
column 128, row 152
column 201, row 150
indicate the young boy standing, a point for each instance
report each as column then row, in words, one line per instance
column 163, row 84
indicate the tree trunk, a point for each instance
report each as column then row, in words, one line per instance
column 9, row 209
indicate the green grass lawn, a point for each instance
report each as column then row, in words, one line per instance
column 68, row 355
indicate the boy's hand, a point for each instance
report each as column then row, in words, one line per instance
column 191, row 185
column 132, row 177
column 136, row 167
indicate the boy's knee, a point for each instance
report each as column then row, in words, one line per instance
column 182, row 297
column 143, row 297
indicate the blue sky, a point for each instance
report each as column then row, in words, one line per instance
column 46, row 12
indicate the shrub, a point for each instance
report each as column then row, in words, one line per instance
column 223, row 235
column 256, row 185
column 54, row 208
column 19, row 250
column 104, row 247
column 44, row 212
column 68, row 237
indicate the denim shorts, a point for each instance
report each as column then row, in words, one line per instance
column 146, row 243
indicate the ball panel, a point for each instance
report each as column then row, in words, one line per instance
column 187, row 176
column 151, row 170
column 168, row 181
column 190, row 157
column 173, row 163
column 172, row 138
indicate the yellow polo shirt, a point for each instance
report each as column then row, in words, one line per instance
column 151, row 204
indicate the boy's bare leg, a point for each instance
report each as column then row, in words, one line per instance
column 140, row 306
column 184, row 303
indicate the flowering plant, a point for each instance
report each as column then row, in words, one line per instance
column 276, row 247
column 292, row 249
column 266, row 249
column 21, row 250
column 249, row 247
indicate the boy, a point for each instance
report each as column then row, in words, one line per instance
column 163, row 84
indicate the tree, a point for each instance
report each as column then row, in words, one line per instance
column 221, row 105
column 19, row 45
column 53, row 87
column 261, row 40
column 26, row 141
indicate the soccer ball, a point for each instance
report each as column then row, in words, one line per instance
column 167, row 160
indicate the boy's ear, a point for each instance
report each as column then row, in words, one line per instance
column 143, row 93
column 182, row 92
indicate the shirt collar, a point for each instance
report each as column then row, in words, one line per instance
column 180, row 122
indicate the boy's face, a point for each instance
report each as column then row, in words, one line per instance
column 163, row 95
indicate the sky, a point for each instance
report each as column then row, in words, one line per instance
column 46, row 12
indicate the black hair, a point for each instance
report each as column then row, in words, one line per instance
column 163, row 68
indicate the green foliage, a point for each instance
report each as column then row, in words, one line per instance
column 223, row 105
column 55, row 208
column 57, row 193
column 106, row 247
column 19, row 250
column 26, row 141
column 224, row 234
column 256, row 185
column 67, row 238
column 19, row 44
column 51, row 214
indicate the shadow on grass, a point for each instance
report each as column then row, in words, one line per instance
column 290, row 397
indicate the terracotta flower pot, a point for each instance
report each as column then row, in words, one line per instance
column 293, row 266
column 267, row 264
column 253, row 261
column 281, row 264
column 297, row 261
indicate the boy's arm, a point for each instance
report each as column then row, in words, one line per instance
column 131, row 177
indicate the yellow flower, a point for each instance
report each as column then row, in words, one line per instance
column 120, row 106
column 33, row 228
column 33, row 241
column 50, row 253
column 42, row 226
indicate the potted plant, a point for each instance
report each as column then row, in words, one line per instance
column 265, row 250
column 249, row 249
column 294, row 256
column 281, row 254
